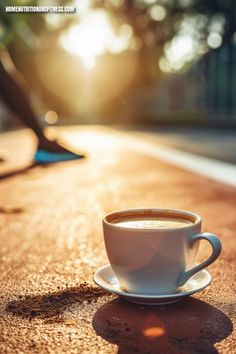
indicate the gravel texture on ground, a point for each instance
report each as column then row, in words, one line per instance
column 51, row 244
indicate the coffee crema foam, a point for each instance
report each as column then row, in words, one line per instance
column 153, row 223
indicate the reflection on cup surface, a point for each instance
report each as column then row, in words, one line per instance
column 153, row 251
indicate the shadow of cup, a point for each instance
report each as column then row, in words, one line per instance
column 191, row 326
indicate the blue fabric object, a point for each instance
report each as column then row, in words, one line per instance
column 43, row 157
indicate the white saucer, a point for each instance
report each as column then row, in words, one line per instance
column 106, row 279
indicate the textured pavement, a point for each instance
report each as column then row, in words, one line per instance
column 51, row 244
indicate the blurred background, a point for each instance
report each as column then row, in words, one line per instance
column 153, row 62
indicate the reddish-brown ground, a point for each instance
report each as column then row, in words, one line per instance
column 51, row 244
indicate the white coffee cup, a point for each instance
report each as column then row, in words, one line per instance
column 151, row 260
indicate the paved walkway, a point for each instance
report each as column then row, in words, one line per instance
column 51, row 244
column 217, row 143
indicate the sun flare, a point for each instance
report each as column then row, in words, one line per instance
column 94, row 36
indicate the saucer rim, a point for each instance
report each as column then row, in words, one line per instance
column 146, row 296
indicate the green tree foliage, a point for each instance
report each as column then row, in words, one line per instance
column 29, row 36
column 29, row 29
column 155, row 24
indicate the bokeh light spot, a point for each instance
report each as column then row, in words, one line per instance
column 51, row 117
column 164, row 65
column 154, row 332
column 214, row 40
column 150, row 1
column 157, row 12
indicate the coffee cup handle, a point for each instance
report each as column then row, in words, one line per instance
column 216, row 249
